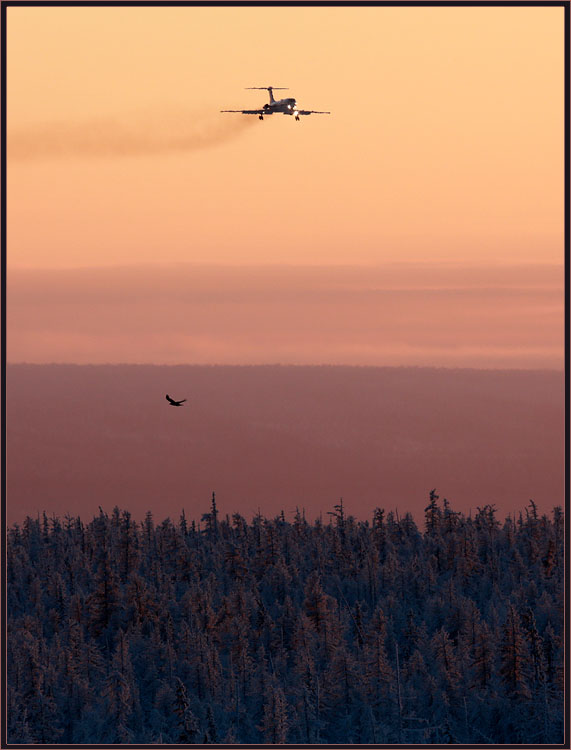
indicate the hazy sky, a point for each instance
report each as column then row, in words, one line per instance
column 421, row 223
column 445, row 141
column 399, row 314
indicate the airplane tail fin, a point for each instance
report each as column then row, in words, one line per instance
column 270, row 89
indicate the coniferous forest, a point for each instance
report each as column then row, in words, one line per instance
column 279, row 631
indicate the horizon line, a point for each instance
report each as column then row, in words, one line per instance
column 311, row 265
column 311, row 520
column 286, row 364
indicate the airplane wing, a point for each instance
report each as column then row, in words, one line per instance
column 249, row 111
column 311, row 112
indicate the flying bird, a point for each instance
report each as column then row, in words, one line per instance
column 172, row 402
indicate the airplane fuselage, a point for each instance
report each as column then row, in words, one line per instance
column 285, row 106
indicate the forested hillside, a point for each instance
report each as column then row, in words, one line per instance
column 271, row 631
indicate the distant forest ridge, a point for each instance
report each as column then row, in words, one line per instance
column 270, row 631
column 198, row 520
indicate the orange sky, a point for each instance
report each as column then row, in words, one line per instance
column 445, row 141
column 421, row 223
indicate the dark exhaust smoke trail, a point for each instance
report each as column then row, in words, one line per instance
column 136, row 137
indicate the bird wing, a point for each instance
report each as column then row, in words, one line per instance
column 181, row 401
column 169, row 399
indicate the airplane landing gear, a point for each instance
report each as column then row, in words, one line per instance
column 297, row 118
column 261, row 117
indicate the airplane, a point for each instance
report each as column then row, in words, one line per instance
column 286, row 106
column 172, row 402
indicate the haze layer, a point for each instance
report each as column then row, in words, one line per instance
column 279, row 438
column 396, row 314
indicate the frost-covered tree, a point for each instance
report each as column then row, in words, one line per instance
column 275, row 721
column 514, row 657
column 188, row 725
column 247, row 632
